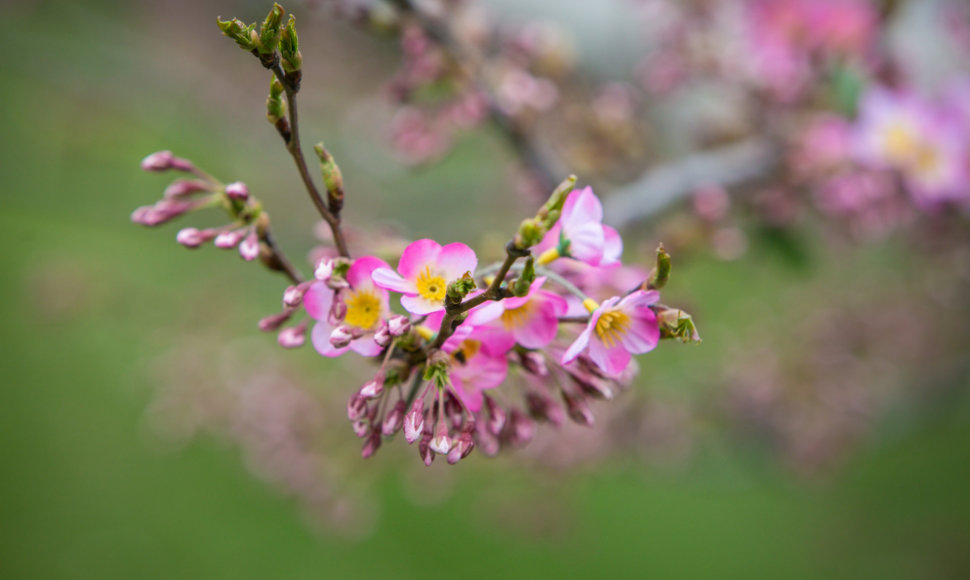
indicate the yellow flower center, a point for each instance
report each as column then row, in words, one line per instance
column 927, row 160
column 363, row 309
column 514, row 318
column 901, row 144
column 468, row 349
column 431, row 287
column 611, row 327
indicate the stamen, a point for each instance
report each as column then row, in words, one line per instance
column 612, row 326
column 363, row 309
column 431, row 287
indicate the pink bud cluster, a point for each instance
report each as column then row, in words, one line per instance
column 185, row 196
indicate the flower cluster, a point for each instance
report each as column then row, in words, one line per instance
column 480, row 354
column 469, row 355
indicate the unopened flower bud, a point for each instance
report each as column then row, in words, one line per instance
column 453, row 410
column 341, row 337
column 520, row 429
column 425, row 451
column 337, row 283
column 229, row 240
column 324, row 270
column 394, row 419
column 238, row 191
column 399, row 325
column 488, row 444
column 193, row 237
column 249, row 247
column 441, row 442
column 164, row 161
column 290, row 47
column 372, row 444
column 185, row 187
column 530, row 233
column 661, row 272
column 293, row 295
column 274, row 321
column 356, row 407
column 414, row 421
column 383, row 336
column 496, row 416
column 543, row 408
column 373, row 388
column 293, row 336
column 145, row 215
column 534, row 362
column 158, row 161
column 361, row 428
column 337, row 312
column 238, row 31
column 462, row 447
column 269, row 32
column 578, row 409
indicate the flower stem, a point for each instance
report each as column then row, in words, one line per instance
column 296, row 151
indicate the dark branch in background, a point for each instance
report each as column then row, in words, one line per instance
column 510, row 127
column 659, row 188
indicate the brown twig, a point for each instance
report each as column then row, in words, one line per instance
column 292, row 140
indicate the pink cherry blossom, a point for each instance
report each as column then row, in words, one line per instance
column 900, row 131
column 424, row 272
column 531, row 320
column 366, row 308
column 616, row 329
column 580, row 233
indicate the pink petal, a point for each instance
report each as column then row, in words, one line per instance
column 637, row 299
column 612, row 361
column 578, row 345
column 420, row 305
column 486, row 312
column 391, row 280
column 317, row 300
column 456, row 259
column 482, row 371
column 643, row 334
column 471, row 397
column 359, row 273
column 541, row 328
column 612, row 247
column 496, row 342
column 582, row 206
column 586, row 242
column 416, row 257
column 365, row 346
column 320, row 336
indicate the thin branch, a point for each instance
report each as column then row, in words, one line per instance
column 277, row 260
column 296, row 151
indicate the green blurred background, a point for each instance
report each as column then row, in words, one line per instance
column 90, row 488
